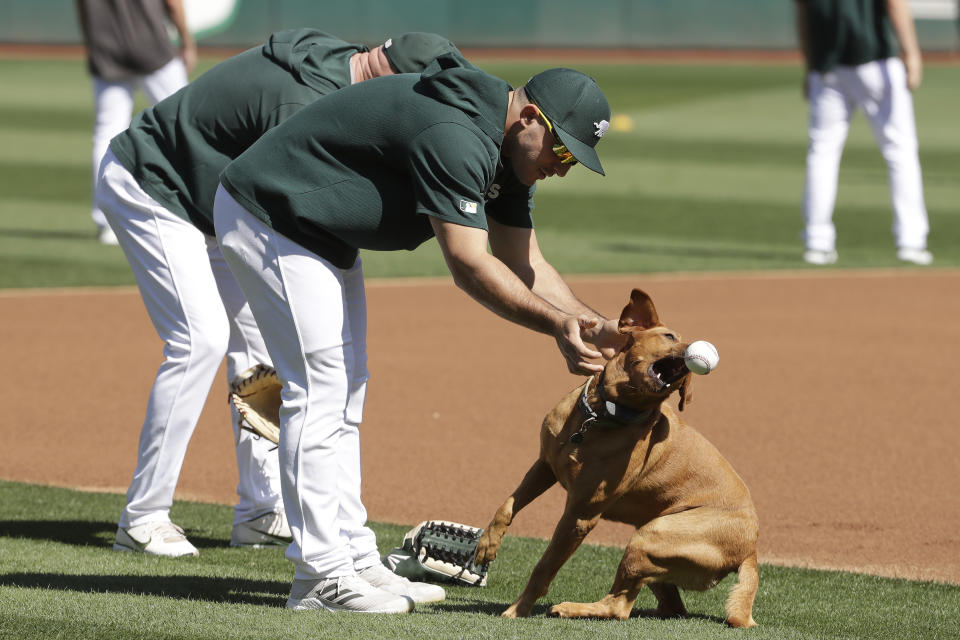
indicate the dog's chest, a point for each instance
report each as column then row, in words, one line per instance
column 609, row 456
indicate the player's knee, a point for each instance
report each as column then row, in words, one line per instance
column 203, row 342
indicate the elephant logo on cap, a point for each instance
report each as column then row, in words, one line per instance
column 602, row 127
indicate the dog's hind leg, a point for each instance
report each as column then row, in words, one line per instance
column 740, row 600
column 538, row 479
column 669, row 602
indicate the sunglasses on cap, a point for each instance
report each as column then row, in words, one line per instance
column 559, row 150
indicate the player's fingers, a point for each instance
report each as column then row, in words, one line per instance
column 583, row 367
column 572, row 329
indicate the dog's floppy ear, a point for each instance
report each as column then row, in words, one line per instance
column 686, row 393
column 639, row 313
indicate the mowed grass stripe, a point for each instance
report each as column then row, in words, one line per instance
column 707, row 173
column 45, row 182
column 46, row 118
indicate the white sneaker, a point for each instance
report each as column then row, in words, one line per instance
column 420, row 592
column 106, row 236
column 816, row 256
column 270, row 529
column 155, row 538
column 916, row 256
column 346, row 593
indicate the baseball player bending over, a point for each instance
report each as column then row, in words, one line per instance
column 454, row 153
column 156, row 187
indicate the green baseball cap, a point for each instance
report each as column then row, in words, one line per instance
column 577, row 109
column 412, row 52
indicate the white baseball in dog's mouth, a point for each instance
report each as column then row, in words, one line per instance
column 665, row 371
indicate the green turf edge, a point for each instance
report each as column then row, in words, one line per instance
column 59, row 579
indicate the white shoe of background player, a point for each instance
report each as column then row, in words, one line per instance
column 106, row 236
column 816, row 256
column 268, row 530
column 916, row 256
column 155, row 538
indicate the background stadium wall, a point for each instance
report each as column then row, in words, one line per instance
column 731, row 24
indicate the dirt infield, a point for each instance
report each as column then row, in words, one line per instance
column 833, row 400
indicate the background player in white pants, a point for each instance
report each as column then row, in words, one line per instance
column 850, row 48
column 128, row 49
column 157, row 187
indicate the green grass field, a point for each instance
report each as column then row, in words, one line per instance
column 705, row 173
column 59, row 579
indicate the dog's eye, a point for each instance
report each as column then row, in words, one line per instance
column 670, row 337
column 636, row 363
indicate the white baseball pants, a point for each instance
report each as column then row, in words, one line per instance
column 314, row 322
column 201, row 314
column 113, row 109
column 880, row 89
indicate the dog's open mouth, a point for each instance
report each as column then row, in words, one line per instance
column 666, row 371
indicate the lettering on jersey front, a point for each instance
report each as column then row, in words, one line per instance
column 493, row 192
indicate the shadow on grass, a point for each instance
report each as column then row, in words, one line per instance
column 82, row 533
column 229, row 590
column 78, row 532
column 542, row 610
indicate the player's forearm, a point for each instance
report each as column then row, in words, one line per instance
column 488, row 281
column 803, row 39
column 179, row 19
column 902, row 21
column 549, row 285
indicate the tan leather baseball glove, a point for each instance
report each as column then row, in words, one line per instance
column 256, row 395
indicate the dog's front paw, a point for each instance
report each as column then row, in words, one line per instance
column 515, row 611
column 486, row 549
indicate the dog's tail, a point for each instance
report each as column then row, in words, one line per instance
column 740, row 601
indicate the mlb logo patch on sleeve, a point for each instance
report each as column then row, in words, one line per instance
column 468, row 207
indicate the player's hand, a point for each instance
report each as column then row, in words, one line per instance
column 189, row 54
column 575, row 352
column 603, row 334
column 914, row 67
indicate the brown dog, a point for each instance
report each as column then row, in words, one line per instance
column 622, row 454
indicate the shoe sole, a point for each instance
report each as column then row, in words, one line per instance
column 314, row 604
column 429, row 600
column 122, row 548
column 266, row 540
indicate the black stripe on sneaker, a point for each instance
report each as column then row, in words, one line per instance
column 347, row 597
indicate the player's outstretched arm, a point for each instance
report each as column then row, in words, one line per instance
column 490, row 282
column 519, row 250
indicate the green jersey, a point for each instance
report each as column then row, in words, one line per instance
column 848, row 33
column 177, row 148
column 364, row 167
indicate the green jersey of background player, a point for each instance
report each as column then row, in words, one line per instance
column 177, row 149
